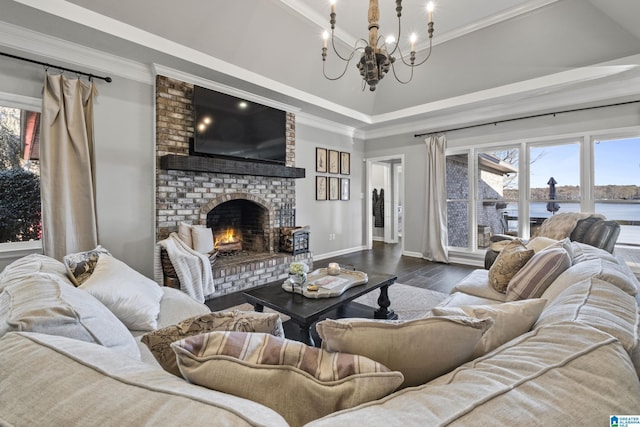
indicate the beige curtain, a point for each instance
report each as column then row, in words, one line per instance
column 435, row 239
column 67, row 166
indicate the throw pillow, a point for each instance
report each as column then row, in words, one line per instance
column 80, row 265
column 540, row 243
column 302, row 383
column 48, row 304
column 538, row 274
column 132, row 297
column 202, row 239
column 159, row 341
column 422, row 349
column 184, row 233
column 510, row 320
column 508, row 263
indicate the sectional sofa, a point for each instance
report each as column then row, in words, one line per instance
column 73, row 356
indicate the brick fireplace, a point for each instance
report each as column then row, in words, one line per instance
column 223, row 195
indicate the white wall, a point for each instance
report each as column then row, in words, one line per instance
column 344, row 219
column 125, row 165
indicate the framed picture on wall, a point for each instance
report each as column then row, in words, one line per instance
column 344, row 189
column 334, row 190
column 334, row 161
column 321, row 159
column 321, row 188
column 345, row 163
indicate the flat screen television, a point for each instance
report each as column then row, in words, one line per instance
column 229, row 127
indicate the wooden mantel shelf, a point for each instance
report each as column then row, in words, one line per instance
column 238, row 167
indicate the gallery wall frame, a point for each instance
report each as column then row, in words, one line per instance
column 321, row 160
column 334, row 188
column 334, row 161
column 345, row 163
column 345, row 189
column 321, row 188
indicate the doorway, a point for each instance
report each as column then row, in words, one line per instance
column 385, row 200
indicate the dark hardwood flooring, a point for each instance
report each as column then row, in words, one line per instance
column 384, row 258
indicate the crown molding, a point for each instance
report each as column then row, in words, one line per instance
column 35, row 43
column 162, row 70
column 20, row 101
column 301, row 7
column 326, row 125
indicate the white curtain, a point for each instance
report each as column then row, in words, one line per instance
column 67, row 167
column 435, row 239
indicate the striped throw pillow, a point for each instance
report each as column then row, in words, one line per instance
column 537, row 274
column 301, row 383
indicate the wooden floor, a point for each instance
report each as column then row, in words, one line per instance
column 384, row 258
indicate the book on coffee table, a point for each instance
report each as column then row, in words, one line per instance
column 327, row 285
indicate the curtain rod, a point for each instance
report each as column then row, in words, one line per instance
column 33, row 61
column 527, row 117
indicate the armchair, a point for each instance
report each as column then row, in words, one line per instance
column 592, row 229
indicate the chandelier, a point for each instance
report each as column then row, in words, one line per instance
column 375, row 60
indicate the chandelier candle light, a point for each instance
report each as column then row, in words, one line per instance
column 375, row 61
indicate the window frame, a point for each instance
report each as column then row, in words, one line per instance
column 586, row 142
column 13, row 249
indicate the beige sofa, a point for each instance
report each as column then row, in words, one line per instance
column 575, row 364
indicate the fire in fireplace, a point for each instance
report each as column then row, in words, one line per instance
column 228, row 241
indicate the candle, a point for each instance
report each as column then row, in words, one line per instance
column 413, row 39
column 430, row 8
column 333, row 6
column 325, row 38
column 333, row 268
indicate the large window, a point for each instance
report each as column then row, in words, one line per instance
column 20, row 214
column 517, row 186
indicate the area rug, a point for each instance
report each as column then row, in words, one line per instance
column 408, row 302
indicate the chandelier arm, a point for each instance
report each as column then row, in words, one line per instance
column 404, row 82
column 425, row 59
column 346, row 66
column 399, row 35
column 353, row 52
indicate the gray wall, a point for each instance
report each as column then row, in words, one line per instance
column 344, row 219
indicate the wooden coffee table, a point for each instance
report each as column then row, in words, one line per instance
column 304, row 312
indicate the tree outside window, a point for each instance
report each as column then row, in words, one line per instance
column 20, row 208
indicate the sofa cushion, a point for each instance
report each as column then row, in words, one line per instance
column 510, row 260
column 35, row 263
column 510, row 319
column 80, row 265
column 301, row 383
column 538, row 274
column 421, row 349
column 159, row 341
column 477, row 284
column 540, row 243
column 565, row 371
column 583, row 252
column 55, row 381
column 612, row 272
column 598, row 304
column 48, row 303
column 132, row 297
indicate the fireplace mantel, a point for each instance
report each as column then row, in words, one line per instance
column 238, row 167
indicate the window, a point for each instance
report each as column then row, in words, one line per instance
column 535, row 180
column 20, row 209
column 497, row 181
column 554, row 181
column 617, row 185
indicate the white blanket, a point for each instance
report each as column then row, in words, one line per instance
column 192, row 268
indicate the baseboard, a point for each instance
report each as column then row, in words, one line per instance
column 453, row 258
column 339, row 253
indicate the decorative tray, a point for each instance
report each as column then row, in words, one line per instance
column 327, row 285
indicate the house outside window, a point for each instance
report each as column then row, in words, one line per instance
column 20, row 208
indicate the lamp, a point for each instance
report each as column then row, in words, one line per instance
column 375, row 61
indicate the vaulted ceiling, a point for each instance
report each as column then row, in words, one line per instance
column 491, row 59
